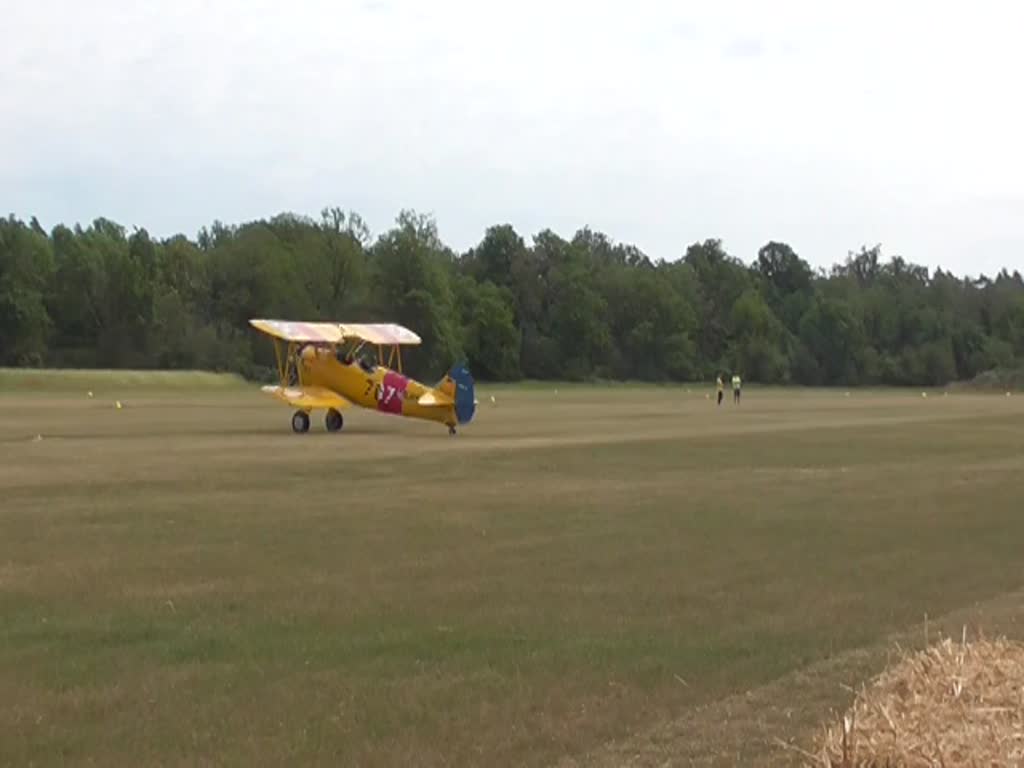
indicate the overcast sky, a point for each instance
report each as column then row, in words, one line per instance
column 659, row 123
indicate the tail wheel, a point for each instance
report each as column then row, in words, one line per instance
column 300, row 422
column 333, row 421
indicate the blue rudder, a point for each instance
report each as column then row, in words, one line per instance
column 465, row 396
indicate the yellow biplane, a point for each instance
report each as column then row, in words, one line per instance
column 337, row 365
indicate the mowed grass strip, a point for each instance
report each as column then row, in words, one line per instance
column 31, row 381
column 184, row 580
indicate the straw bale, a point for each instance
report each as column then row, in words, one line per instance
column 956, row 703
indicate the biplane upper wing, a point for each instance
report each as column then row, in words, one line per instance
column 385, row 334
column 308, row 397
column 318, row 333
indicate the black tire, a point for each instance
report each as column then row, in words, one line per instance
column 334, row 421
column 300, row 422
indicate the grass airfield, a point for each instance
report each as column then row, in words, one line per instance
column 601, row 576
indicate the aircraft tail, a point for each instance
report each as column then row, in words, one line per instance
column 465, row 396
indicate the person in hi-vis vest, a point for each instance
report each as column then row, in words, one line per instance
column 736, row 387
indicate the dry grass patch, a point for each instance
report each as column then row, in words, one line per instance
column 953, row 704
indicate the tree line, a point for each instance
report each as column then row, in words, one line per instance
column 575, row 309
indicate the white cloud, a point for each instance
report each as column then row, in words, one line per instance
column 660, row 123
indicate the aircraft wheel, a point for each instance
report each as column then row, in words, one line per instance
column 333, row 420
column 300, row 422
column 451, row 430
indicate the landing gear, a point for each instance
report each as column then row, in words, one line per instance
column 300, row 422
column 333, row 421
column 451, row 430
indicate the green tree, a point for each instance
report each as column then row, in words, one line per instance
column 341, row 266
column 492, row 341
column 412, row 272
column 721, row 279
column 833, row 335
column 761, row 341
column 556, row 308
column 496, row 256
column 26, row 271
column 787, row 283
column 77, row 300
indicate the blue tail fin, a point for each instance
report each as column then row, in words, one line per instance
column 465, row 397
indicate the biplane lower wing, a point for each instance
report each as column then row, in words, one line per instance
column 308, row 397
